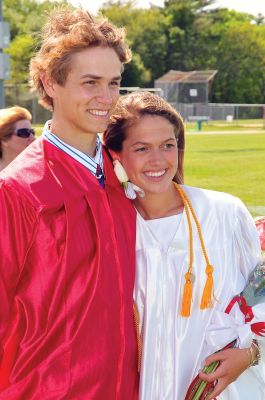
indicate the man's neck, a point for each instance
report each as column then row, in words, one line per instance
column 85, row 142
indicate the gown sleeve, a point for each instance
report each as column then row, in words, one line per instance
column 17, row 220
column 237, row 321
column 248, row 252
column 249, row 255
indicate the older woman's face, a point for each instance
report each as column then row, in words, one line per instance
column 16, row 144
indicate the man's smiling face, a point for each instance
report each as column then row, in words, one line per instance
column 84, row 103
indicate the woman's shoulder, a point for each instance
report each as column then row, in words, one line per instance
column 213, row 199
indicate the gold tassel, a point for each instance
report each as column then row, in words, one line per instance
column 187, row 296
column 207, row 300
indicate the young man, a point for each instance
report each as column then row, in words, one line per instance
column 67, row 232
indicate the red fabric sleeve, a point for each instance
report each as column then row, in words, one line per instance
column 17, row 221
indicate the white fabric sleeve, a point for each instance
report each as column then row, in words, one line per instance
column 249, row 253
column 226, row 327
column 246, row 240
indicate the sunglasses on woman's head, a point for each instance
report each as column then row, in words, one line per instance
column 24, row 132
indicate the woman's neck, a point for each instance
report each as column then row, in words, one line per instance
column 159, row 205
column 5, row 160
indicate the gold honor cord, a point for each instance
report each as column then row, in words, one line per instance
column 207, row 295
column 139, row 338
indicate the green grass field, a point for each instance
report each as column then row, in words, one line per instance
column 231, row 163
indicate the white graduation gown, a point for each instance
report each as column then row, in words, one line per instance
column 175, row 347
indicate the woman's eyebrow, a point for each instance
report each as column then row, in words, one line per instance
column 147, row 143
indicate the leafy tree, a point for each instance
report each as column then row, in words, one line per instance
column 135, row 73
column 182, row 35
column 145, row 34
column 183, row 18
column 21, row 50
column 26, row 18
column 241, row 65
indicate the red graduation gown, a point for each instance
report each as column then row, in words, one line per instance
column 67, row 264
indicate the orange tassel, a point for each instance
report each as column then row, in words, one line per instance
column 207, row 300
column 187, row 296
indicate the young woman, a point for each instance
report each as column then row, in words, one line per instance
column 16, row 133
column 195, row 251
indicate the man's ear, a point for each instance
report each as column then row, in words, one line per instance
column 48, row 85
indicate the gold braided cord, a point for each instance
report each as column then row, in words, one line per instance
column 186, row 206
column 187, row 200
column 206, row 300
column 139, row 339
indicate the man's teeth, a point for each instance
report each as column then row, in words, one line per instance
column 103, row 113
column 159, row 173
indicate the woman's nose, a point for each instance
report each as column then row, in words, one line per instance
column 156, row 156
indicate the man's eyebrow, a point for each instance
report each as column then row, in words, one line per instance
column 97, row 77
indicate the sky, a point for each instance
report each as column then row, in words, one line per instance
column 253, row 7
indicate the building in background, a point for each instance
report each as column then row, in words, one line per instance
column 186, row 87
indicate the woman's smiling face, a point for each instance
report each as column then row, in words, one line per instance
column 150, row 154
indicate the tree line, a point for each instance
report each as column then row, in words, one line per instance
column 182, row 35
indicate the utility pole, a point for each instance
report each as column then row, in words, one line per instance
column 4, row 58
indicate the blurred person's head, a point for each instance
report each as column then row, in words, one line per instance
column 147, row 133
column 16, row 133
column 67, row 33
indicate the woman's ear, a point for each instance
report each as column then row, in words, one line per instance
column 117, row 156
column 114, row 155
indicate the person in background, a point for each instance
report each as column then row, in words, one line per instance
column 195, row 250
column 67, row 231
column 16, row 133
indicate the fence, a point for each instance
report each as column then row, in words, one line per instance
column 221, row 112
column 21, row 95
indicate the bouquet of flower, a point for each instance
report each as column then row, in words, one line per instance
column 253, row 294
